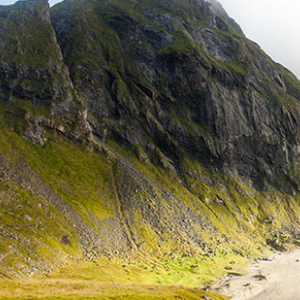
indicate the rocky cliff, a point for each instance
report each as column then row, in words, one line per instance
column 180, row 76
column 141, row 127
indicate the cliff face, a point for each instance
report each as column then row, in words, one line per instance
column 137, row 126
column 33, row 75
column 183, row 77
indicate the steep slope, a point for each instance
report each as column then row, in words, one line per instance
column 34, row 79
column 38, row 101
column 176, row 75
column 142, row 129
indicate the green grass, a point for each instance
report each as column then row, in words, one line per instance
column 60, row 289
column 182, row 44
column 164, row 270
column 236, row 228
column 84, row 179
column 77, row 174
column 31, row 231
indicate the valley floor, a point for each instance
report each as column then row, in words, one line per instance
column 105, row 279
column 66, row 289
column 276, row 278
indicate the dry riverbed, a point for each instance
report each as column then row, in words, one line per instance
column 275, row 278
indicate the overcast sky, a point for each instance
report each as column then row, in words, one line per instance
column 273, row 24
column 7, row 2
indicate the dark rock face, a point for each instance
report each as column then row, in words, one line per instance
column 24, row 57
column 182, row 76
column 33, row 75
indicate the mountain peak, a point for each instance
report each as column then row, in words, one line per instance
column 40, row 5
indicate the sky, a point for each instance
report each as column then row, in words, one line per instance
column 273, row 24
column 8, row 2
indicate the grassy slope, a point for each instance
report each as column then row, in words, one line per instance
column 83, row 178
column 83, row 280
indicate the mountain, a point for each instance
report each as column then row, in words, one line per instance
column 150, row 129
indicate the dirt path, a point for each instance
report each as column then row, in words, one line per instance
column 277, row 278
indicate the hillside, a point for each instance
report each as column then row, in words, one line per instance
column 143, row 132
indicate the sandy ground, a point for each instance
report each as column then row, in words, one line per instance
column 277, row 278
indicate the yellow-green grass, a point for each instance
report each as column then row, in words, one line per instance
column 66, row 289
column 187, row 271
column 135, row 278
column 242, row 221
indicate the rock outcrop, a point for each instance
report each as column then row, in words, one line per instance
column 33, row 75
